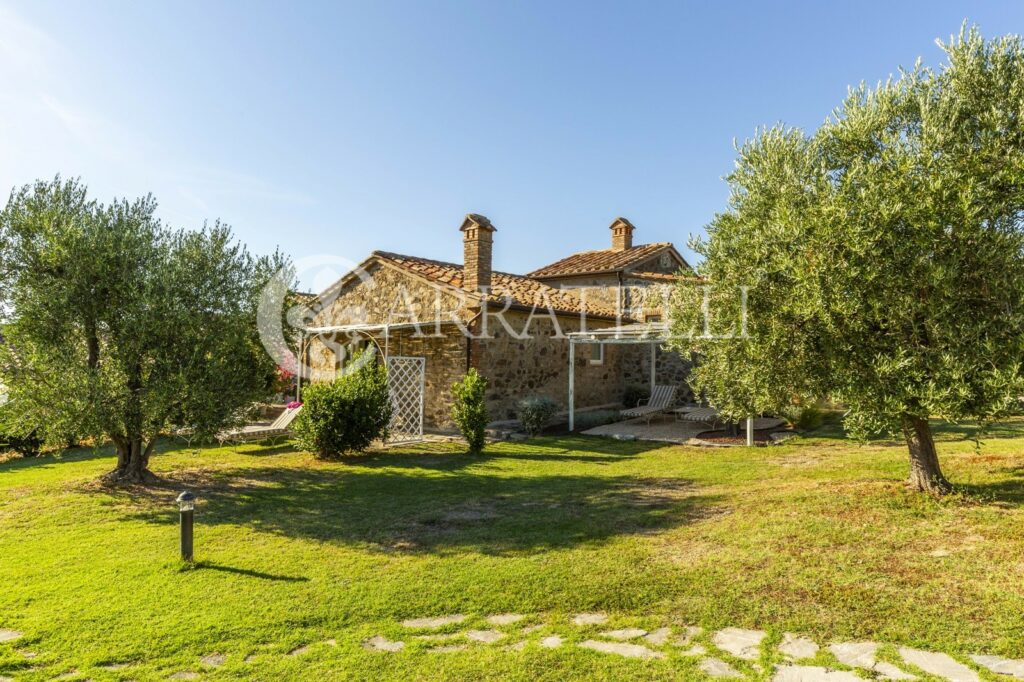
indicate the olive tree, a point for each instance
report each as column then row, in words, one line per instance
column 119, row 327
column 882, row 257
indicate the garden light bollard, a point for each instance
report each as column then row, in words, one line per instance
column 186, row 507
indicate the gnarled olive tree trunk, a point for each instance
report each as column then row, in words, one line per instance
column 132, row 460
column 925, row 474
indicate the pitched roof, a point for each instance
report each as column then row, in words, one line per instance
column 604, row 260
column 523, row 291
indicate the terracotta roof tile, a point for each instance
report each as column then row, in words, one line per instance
column 603, row 260
column 523, row 291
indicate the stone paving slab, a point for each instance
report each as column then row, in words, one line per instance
column 622, row 649
column 688, row 636
column 9, row 635
column 811, row 673
column 552, row 642
column 214, row 660
column 505, row 618
column 485, row 636
column 382, row 643
column 624, row 634
column 1000, row 665
column 716, row 667
column 862, row 655
column 589, row 618
column 797, row 647
column 940, row 665
column 745, row 644
column 658, row 637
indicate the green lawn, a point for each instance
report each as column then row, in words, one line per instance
column 816, row 537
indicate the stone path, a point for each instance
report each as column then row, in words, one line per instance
column 622, row 649
column 728, row 653
column 862, row 655
column 740, row 643
column 812, row 673
column 796, row 647
column 1001, row 666
column 939, row 665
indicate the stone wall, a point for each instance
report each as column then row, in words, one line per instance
column 539, row 365
column 388, row 296
column 666, row 266
column 636, row 298
column 644, row 298
column 670, row 369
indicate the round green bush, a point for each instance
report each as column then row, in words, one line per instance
column 346, row 415
column 469, row 409
column 535, row 412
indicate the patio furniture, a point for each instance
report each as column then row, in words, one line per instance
column 680, row 413
column 662, row 399
column 700, row 414
column 255, row 433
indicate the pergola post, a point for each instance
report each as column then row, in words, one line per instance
column 750, row 431
column 654, row 360
column 299, row 364
column 572, row 387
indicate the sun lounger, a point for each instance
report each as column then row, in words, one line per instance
column 662, row 398
column 255, row 433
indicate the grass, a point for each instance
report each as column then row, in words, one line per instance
column 817, row 537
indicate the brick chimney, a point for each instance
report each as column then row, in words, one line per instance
column 622, row 234
column 476, row 252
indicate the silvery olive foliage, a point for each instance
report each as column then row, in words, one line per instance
column 120, row 327
column 882, row 255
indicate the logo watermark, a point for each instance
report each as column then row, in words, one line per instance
column 362, row 306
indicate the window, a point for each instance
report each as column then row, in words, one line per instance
column 597, row 353
column 652, row 318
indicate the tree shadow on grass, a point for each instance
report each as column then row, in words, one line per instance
column 440, row 511
column 1009, row 491
column 586, row 449
column 211, row 566
column 943, row 431
column 53, row 458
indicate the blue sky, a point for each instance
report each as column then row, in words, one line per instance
column 339, row 128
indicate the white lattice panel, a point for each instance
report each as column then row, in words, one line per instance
column 405, row 385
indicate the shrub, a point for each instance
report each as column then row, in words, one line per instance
column 592, row 418
column 535, row 413
column 807, row 418
column 26, row 445
column 469, row 411
column 19, row 432
column 633, row 395
column 344, row 416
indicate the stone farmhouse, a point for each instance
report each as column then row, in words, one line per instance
column 511, row 328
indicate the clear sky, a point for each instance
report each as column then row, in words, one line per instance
column 339, row 128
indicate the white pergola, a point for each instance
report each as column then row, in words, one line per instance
column 366, row 330
column 652, row 334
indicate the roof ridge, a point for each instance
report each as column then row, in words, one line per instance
column 459, row 266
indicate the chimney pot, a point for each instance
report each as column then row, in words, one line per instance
column 476, row 251
column 622, row 234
